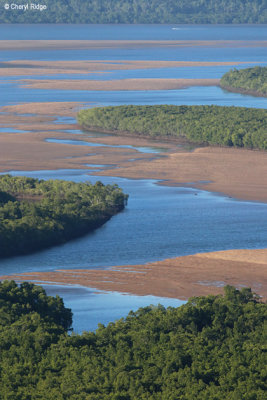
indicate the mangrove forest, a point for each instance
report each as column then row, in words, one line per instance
column 139, row 12
column 249, row 80
column 36, row 214
column 206, row 124
column 211, row 348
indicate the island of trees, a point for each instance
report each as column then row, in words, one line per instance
column 249, row 80
column 36, row 214
column 141, row 12
column 214, row 125
column 211, row 348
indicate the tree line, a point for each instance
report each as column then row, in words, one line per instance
column 248, row 80
column 211, row 348
column 36, row 214
column 141, row 12
column 213, row 125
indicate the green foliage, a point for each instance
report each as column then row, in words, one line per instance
column 248, row 80
column 16, row 301
column 211, row 348
column 37, row 214
column 215, row 125
column 141, row 11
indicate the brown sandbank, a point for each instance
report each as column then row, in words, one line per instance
column 120, row 84
column 181, row 277
column 236, row 172
column 98, row 44
column 65, row 108
column 25, row 67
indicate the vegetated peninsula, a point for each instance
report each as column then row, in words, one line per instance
column 35, row 214
column 140, row 12
column 214, row 125
column 210, row 348
column 249, row 81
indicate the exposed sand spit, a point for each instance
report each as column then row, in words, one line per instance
column 180, row 277
column 120, row 84
column 33, row 67
column 98, row 44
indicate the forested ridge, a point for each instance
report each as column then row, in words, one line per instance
column 214, row 125
column 141, row 12
column 211, row 348
column 37, row 214
column 248, row 80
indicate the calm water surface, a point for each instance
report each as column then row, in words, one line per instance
column 92, row 306
column 11, row 91
column 132, row 32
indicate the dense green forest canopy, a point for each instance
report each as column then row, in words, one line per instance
column 141, row 12
column 211, row 348
column 215, row 125
column 35, row 214
column 248, row 80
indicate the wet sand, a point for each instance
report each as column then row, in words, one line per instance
column 120, row 84
column 98, row 44
column 30, row 67
column 181, row 277
column 238, row 173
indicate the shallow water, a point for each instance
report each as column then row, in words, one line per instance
column 11, row 94
column 91, row 307
column 133, row 32
column 149, row 150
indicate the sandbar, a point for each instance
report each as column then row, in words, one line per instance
column 98, row 44
column 34, row 67
column 238, row 173
column 181, row 277
column 120, row 84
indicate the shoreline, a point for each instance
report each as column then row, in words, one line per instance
column 182, row 277
column 243, row 91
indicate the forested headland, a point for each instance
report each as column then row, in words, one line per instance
column 249, row 80
column 36, row 214
column 141, row 12
column 213, row 125
column 211, row 348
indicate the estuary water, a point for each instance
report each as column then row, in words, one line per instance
column 12, row 90
column 160, row 221
column 131, row 32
